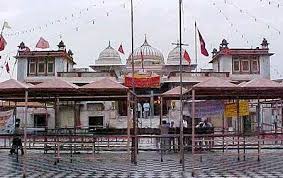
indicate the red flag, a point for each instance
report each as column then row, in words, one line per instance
column 3, row 43
column 142, row 59
column 42, row 43
column 121, row 50
column 202, row 45
column 7, row 67
column 187, row 56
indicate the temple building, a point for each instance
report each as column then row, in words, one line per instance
column 160, row 73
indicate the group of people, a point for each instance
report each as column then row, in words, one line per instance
column 204, row 142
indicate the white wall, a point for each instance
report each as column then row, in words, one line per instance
column 215, row 66
column 60, row 65
column 22, row 69
column 265, row 66
column 225, row 64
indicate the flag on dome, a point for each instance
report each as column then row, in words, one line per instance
column 121, row 50
column 187, row 56
column 3, row 43
column 42, row 43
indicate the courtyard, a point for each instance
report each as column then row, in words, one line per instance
column 110, row 165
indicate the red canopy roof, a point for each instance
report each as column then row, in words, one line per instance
column 55, row 84
column 216, row 83
column 174, row 92
column 12, row 84
column 261, row 83
column 104, row 84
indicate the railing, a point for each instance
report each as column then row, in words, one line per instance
column 200, row 74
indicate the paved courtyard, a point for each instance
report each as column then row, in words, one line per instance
column 110, row 165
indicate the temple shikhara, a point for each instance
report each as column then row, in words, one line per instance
column 156, row 74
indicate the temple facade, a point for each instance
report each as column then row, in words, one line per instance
column 33, row 67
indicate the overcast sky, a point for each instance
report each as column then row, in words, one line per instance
column 86, row 26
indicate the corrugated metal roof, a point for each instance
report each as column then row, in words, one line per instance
column 13, row 84
column 54, row 84
column 175, row 91
column 105, row 83
column 215, row 83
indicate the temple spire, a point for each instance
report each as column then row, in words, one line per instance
column 145, row 43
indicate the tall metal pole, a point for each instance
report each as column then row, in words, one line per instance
column 196, row 47
column 25, row 134
column 181, row 92
column 193, row 132
column 134, row 139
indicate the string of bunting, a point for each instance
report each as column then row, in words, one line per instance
column 231, row 24
column 66, row 19
column 272, row 3
column 251, row 16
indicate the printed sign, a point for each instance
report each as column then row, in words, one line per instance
column 205, row 108
column 143, row 81
column 231, row 109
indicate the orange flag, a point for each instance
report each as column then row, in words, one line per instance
column 187, row 56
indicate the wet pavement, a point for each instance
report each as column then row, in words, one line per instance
column 110, row 165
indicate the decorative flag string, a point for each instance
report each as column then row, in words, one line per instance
column 251, row 16
column 231, row 24
column 65, row 20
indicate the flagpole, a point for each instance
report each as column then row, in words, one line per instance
column 134, row 139
column 181, row 92
column 196, row 53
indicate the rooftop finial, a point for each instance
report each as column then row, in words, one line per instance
column 145, row 43
column 264, row 44
column 109, row 43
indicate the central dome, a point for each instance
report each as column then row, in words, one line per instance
column 151, row 55
column 109, row 56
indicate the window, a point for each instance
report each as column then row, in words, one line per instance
column 255, row 66
column 32, row 67
column 50, row 67
column 236, row 65
column 41, row 67
column 245, row 65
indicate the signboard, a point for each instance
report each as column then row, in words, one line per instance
column 205, row 108
column 143, row 81
column 231, row 109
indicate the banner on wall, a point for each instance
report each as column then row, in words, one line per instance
column 143, row 81
column 231, row 109
column 205, row 108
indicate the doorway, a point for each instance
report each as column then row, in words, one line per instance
column 95, row 121
column 40, row 121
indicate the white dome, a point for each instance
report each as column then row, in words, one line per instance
column 109, row 56
column 151, row 55
column 174, row 56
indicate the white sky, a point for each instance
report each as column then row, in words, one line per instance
column 156, row 18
